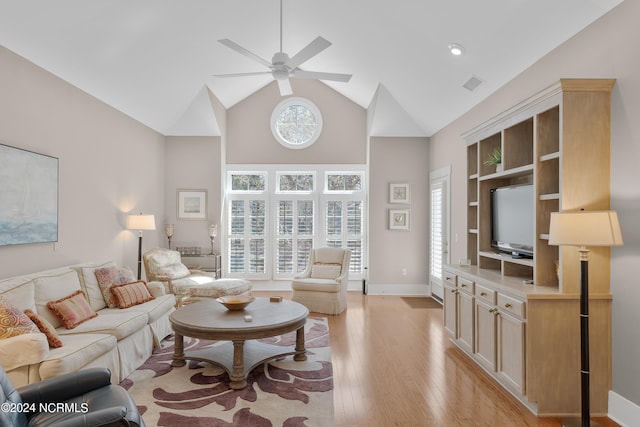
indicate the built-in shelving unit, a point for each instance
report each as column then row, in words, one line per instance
column 518, row 318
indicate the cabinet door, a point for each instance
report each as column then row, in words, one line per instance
column 465, row 321
column 511, row 351
column 451, row 310
column 486, row 335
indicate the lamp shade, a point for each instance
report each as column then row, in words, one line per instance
column 585, row 228
column 141, row 222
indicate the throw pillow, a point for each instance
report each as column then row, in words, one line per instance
column 106, row 277
column 325, row 271
column 130, row 294
column 72, row 310
column 13, row 321
column 109, row 276
column 46, row 328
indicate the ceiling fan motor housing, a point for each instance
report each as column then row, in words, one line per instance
column 280, row 70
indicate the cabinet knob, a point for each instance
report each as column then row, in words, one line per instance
column 492, row 310
column 507, row 305
column 453, row 291
column 483, row 294
column 463, row 285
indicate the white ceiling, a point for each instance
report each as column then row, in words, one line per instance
column 153, row 59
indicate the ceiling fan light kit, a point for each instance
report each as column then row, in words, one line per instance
column 282, row 67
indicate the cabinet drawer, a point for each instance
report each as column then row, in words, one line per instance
column 465, row 285
column 450, row 278
column 511, row 305
column 485, row 294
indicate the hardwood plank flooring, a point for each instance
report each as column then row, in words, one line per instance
column 394, row 365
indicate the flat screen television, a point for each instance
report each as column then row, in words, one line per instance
column 512, row 220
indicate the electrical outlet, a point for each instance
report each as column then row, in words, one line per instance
column 404, row 271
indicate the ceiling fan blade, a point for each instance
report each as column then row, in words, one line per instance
column 233, row 45
column 257, row 73
column 302, row 74
column 285, row 87
column 309, row 51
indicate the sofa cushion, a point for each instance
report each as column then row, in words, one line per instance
column 20, row 291
column 46, row 328
column 52, row 288
column 156, row 308
column 130, row 294
column 72, row 310
column 13, row 321
column 89, row 283
column 322, row 285
column 77, row 351
column 321, row 270
column 111, row 321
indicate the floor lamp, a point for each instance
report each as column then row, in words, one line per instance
column 140, row 223
column 584, row 228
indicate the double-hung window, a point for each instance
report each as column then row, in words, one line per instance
column 275, row 217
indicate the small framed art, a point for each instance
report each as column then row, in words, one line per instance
column 398, row 219
column 399, row 193
column 192, row 204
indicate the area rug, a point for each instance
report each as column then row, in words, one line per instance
column 421, row 302
column 279, row 393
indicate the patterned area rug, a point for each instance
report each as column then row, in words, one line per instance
column 279, row 393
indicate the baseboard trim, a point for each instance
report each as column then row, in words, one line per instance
column 622, row 410
column 401, row 289
column 404, row 289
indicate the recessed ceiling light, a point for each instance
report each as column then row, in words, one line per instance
column 456, row 49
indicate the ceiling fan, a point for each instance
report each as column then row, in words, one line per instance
column 282, row 67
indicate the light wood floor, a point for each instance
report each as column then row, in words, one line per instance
column 394, row 365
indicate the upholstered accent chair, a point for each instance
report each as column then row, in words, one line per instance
column 88, row 396
column 322, row 288
column 165, row 265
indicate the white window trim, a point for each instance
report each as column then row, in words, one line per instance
column 320, row 196
column 286, row 103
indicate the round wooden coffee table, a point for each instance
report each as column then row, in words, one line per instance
column 210, row 320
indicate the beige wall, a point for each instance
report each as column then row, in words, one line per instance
column 398, row 160
column 343, row 137
column 606, row 49
column 109, row 165
column 193, row 163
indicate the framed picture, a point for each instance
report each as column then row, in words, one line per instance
column 192, row 204
column 399, row 193
column 398, row 219
column 29, row 197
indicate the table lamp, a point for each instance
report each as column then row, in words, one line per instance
column 168, row 230
column 140, row 223
column 213, row 232
column 584, row 228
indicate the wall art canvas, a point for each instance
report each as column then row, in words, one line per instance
column 28, row 197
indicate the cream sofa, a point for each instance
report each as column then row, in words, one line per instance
column 118, row 339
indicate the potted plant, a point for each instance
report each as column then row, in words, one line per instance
column 495, row 159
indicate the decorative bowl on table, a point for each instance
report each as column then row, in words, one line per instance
column 236, row 302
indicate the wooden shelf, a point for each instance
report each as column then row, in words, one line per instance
column 509, row 173
column 552, row 196
column 548, row 140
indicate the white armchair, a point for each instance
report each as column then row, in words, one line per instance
column 322, row 288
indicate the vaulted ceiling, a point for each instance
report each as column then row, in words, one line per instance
column 154, row 59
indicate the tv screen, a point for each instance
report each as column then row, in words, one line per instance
column 512, row 220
